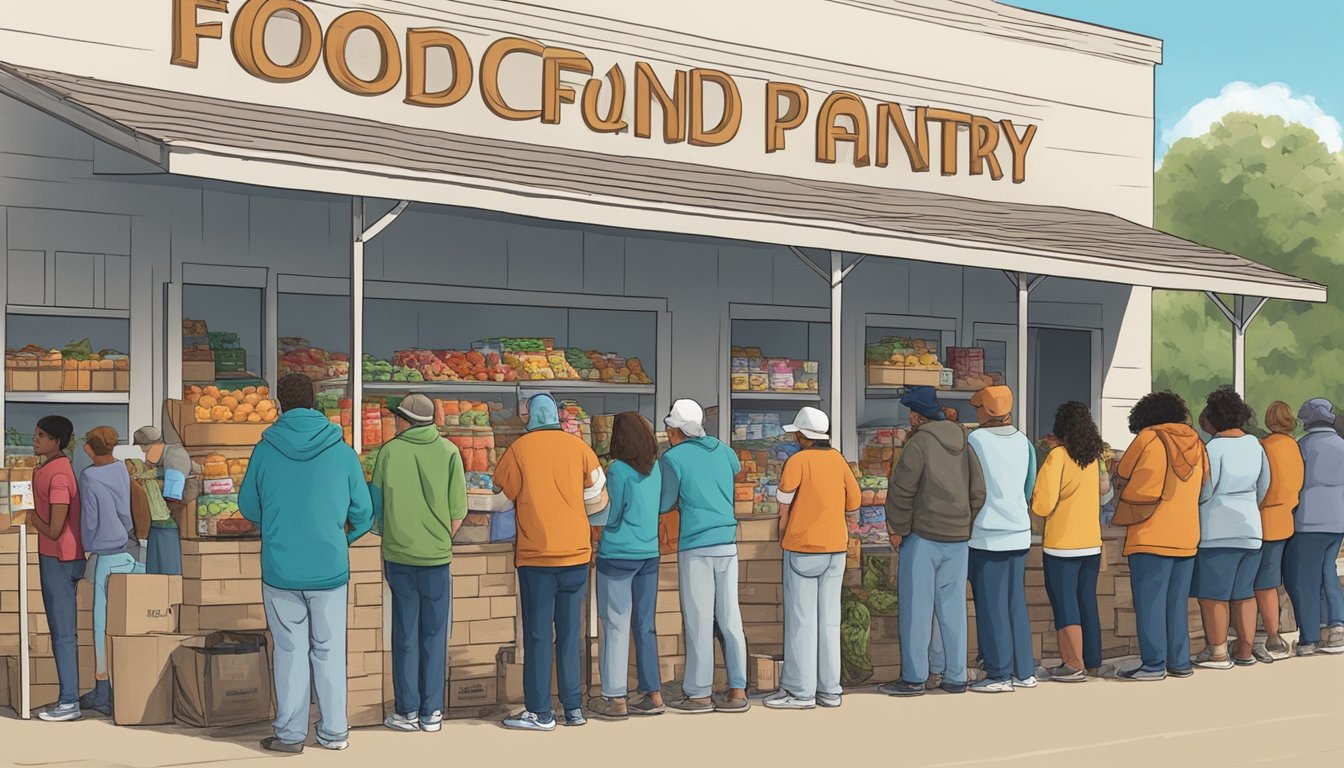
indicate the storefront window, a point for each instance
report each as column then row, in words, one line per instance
column 223, row 333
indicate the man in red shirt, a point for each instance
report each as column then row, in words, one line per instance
column 60, row 555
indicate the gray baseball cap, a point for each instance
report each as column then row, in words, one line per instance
column 147, row 436
column 417, row 409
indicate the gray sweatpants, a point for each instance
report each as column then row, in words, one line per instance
column 709, row 594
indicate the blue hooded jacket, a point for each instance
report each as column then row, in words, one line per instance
column 303, row 485
column 697, row 478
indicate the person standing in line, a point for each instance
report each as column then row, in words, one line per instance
column 1000, row 539
column 936, row 489
column 177, row 474
column 816, row 489
column 60, row 556
column 106, row 527
column 1069, row 496
column 419, row 494
column 305, row 491
column 1318, row 524
column 1161, row 474
column 556, row 482
column 698, row 473
column 1231, row 532
column 627, row 571
column 1286, row 475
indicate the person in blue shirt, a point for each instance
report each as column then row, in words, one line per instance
column 698, row 473
column 305, row 490
column 627, row 570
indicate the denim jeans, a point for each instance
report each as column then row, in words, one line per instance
column 104, row 567
column 709, row 596
column 999, row 584
column 1306, row 561
column 552, row 602
column 165, row 551
column 60, row 580
column 627, row 600
column 812, row 585
column 1071, row 585
column 422, row 612
column 308, row 628
column 1332, row 607
column 932, row 583
column 1161, row 587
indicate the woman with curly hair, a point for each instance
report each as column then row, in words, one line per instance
column 1231, row 532
column 1068, row 495
column 1286, row 475
column 1161, row 476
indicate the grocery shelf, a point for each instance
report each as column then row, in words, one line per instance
column 80, row 312
column 779, row 397
column 82, row 398
column 596, row 387
column 878, row 393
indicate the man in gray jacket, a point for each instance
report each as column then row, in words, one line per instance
column 936, row 489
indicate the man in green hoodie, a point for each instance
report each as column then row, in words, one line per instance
column 305, row 491
column 419, row 493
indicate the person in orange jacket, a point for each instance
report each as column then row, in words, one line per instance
column 1286, row 475
column 1162, row 474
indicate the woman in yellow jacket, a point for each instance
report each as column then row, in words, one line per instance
column 1161, row 473
column 1286, row 475
column 1068, row 496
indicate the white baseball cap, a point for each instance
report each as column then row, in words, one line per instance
column 812, row 423
column 687, row 416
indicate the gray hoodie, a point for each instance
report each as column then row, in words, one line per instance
column 937, row 487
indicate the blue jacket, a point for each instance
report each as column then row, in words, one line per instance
column 303, row 486
column 1229, row 504
column 698, row 476
column 1321, row 509
column 631, row 527
column 1008, row 460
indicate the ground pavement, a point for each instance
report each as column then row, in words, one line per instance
column 1290, row 713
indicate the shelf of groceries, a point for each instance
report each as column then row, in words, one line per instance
column 480, row 400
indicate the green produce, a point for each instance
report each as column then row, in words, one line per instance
column 78, row 350
column 855, row 631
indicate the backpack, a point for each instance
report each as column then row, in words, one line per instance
column 147, row 503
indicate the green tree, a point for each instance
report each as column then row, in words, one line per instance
column 1270, row 191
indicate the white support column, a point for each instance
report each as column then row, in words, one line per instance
column 1025, row 285
column 837, row 328
column 1243, row 311
column 357, row 322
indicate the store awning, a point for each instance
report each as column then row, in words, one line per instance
column 194, row 135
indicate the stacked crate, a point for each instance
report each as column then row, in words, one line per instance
column 760, row 589
column 44, row 682
column 485, row 620
column 366, row 659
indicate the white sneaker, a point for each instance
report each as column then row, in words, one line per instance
column 1030, row 682
column 830, row 700
column 527, row 721
column 786, row 700
column 407, row 723
column 992, row 686
column 61, row 713
column 335, row 746
column 1334, row 642
column 432, row 723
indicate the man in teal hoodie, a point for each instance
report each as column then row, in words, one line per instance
column 305, row 491
column 698, row 473
column 419, row 501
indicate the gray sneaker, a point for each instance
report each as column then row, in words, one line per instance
column 405, row 723
column 1066, row 674
column 830, row 700
column 646, row 706
column 1141, row 675
column 273, row 744
column 786, row 700
column 574, row 718
column 529, row 721
column 693, row 706
column 609, row 709
column 934, row 682
column 61, row 713
column 722, row 703
column 1304, row 651
column 1334, row 642
column 432, row 723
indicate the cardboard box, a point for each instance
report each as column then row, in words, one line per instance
column 221, row 592
column 212, row 618
column 103, row 381
column 194, row 433
column 142, row 678
column 142, row 604
column 50, row 380
column 121, row 380
column 22, row 380
column 70, row 380
column 198, row 372
column 765, row 672
column 222, row 679
column 885, row 376
column 472, row 687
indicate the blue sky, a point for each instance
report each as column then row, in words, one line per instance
column 1210, row 44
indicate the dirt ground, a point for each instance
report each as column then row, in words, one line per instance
column 1288, row 713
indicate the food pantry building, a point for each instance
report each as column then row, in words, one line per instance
column 618, row 203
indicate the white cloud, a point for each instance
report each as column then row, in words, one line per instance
column 1272, row 99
